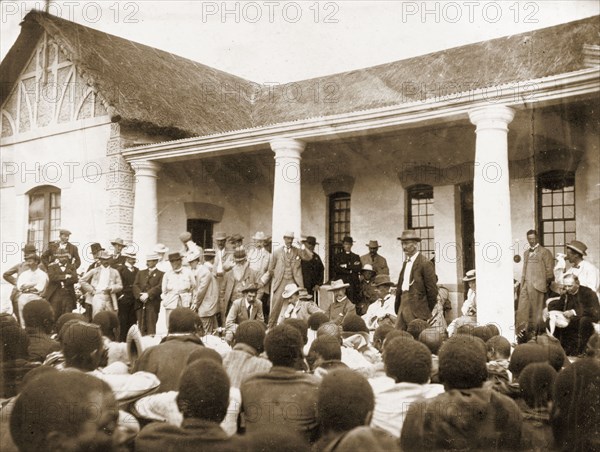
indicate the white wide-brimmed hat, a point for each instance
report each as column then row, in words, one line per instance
column 290, row 290
column 337, row 284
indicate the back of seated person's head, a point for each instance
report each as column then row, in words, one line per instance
column 204, row 391
column 7, row 319
column 14, row 342
column 537, row 383
column 415, row 327
column 301, row 326
column 575, row 416
column 494, row 329
column 592, row 348
column 337, row 387
column 556, row 355
column 39, row 314
column 482, row 332
column 524, row 354
column 397, row 333
column 269, row 439
column 433, row 338
column 326, row 348
column 466, row 329
column 37, row 372
column 380, row 334
column 183, row 320
column 64, row 411
column 352, row 323
column 463, row 362
column 108, row 323
column 63, row 319
column 204, row 353
column 406, row 361
column 283, row 345
column 497, row 347
column 82, row 345
column 330, row 329
column 316, row 320
column 252, row 333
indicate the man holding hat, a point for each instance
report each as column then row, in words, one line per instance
column 378, row 262
column 221, row 253
column 237, row 279
column 62, row 244
column 313, row 271
column 346, row 266
column 178, row 285
column 117, row 258
column 285, row 268
column 586, row 272
column 189, row 246
column 297, row 304
column 101, row 285
column 247, row 307
column 416, row 294
column 126, row 300
column 206, row 299
column 341, row 305
column 147, row 289
column 382, row 309
column 62, row 276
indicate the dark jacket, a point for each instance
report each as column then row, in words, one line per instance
column 423, row 288
column 150, row 283
column 168, row 359
column 193, row 435
column 585, row 303
column 313, row 272
column 128, row 278
column 57, row 279
column 48, row 255
column 346, row 266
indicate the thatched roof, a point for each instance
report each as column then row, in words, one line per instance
column 173, row 96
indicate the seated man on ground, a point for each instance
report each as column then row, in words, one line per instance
column 202, row 400
column 109, row 326
column 408, row 368
column 467, row 416
column 345, row 429
column 381, row 311
column 39, row 321
column 325, row 355
column 498, row 354
column 281, row 388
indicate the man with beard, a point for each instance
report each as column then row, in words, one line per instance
column 313, row 271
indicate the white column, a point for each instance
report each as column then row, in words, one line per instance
column 145, row 210
column 491, row 206
column 287, row 204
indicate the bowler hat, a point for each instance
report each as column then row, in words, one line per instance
column 578, row 247
column 95, row 247
column 220, row 236
column 337, row 284
column 118, row 241
column 175, row 257
column 33, row 256
column 310, row 240
column 290, row 290
column 373, row 244
column 239, row 255
column 409, row 234
column 250, row 288
column 185, row 236
column 347, row 239
column 469, row 276
column 382, row 280
column 29, row 248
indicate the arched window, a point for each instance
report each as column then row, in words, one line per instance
column 420, row 216
column 556, row 209
column 339, row 223
column 44, row 215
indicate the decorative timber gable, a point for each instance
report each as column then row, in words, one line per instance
column 49, row 91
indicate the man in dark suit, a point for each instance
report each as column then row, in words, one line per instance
column 118, row 258
column 313, row 271
column 62, row 277
column 147, row 288
column 248, row 307
column 538, row 264
column 417, row 291
column 580, row 307
column 62, row 244
column 126, row 298
column 346, row 266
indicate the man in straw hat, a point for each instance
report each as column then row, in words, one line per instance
column 62, row 244
column 417, row 291
column 341, row 305
column 178, row 285
column 586, row 272
column 373, row 258
column 285, row 268
column 117, row 259
column 237, row 279
column 537, row 275
column 147, row 289
column 469, row 307
column 297, row 304
column 101, row 285
column 206, row 299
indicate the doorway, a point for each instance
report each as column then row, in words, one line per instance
column 202, row 232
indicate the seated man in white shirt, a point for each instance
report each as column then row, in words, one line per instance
column 381, row 310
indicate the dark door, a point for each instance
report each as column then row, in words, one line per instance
column 339, row 224
column 202, row 232
column 468, row 227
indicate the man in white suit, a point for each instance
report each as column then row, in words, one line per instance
column 206, row 300
column 101, row 285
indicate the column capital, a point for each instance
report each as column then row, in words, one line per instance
column 287, row 147
column 492, row 117
column 146, row 168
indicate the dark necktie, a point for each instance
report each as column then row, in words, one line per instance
column 401, row 281
column 249, row 309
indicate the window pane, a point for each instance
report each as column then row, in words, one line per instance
column 559, row 226
column 569, row 211
column 557, row 212
column 36, row 206
column 549, row 226
column 548, row 240
column 570, row 226
column 546, row 213
column 569, row 197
